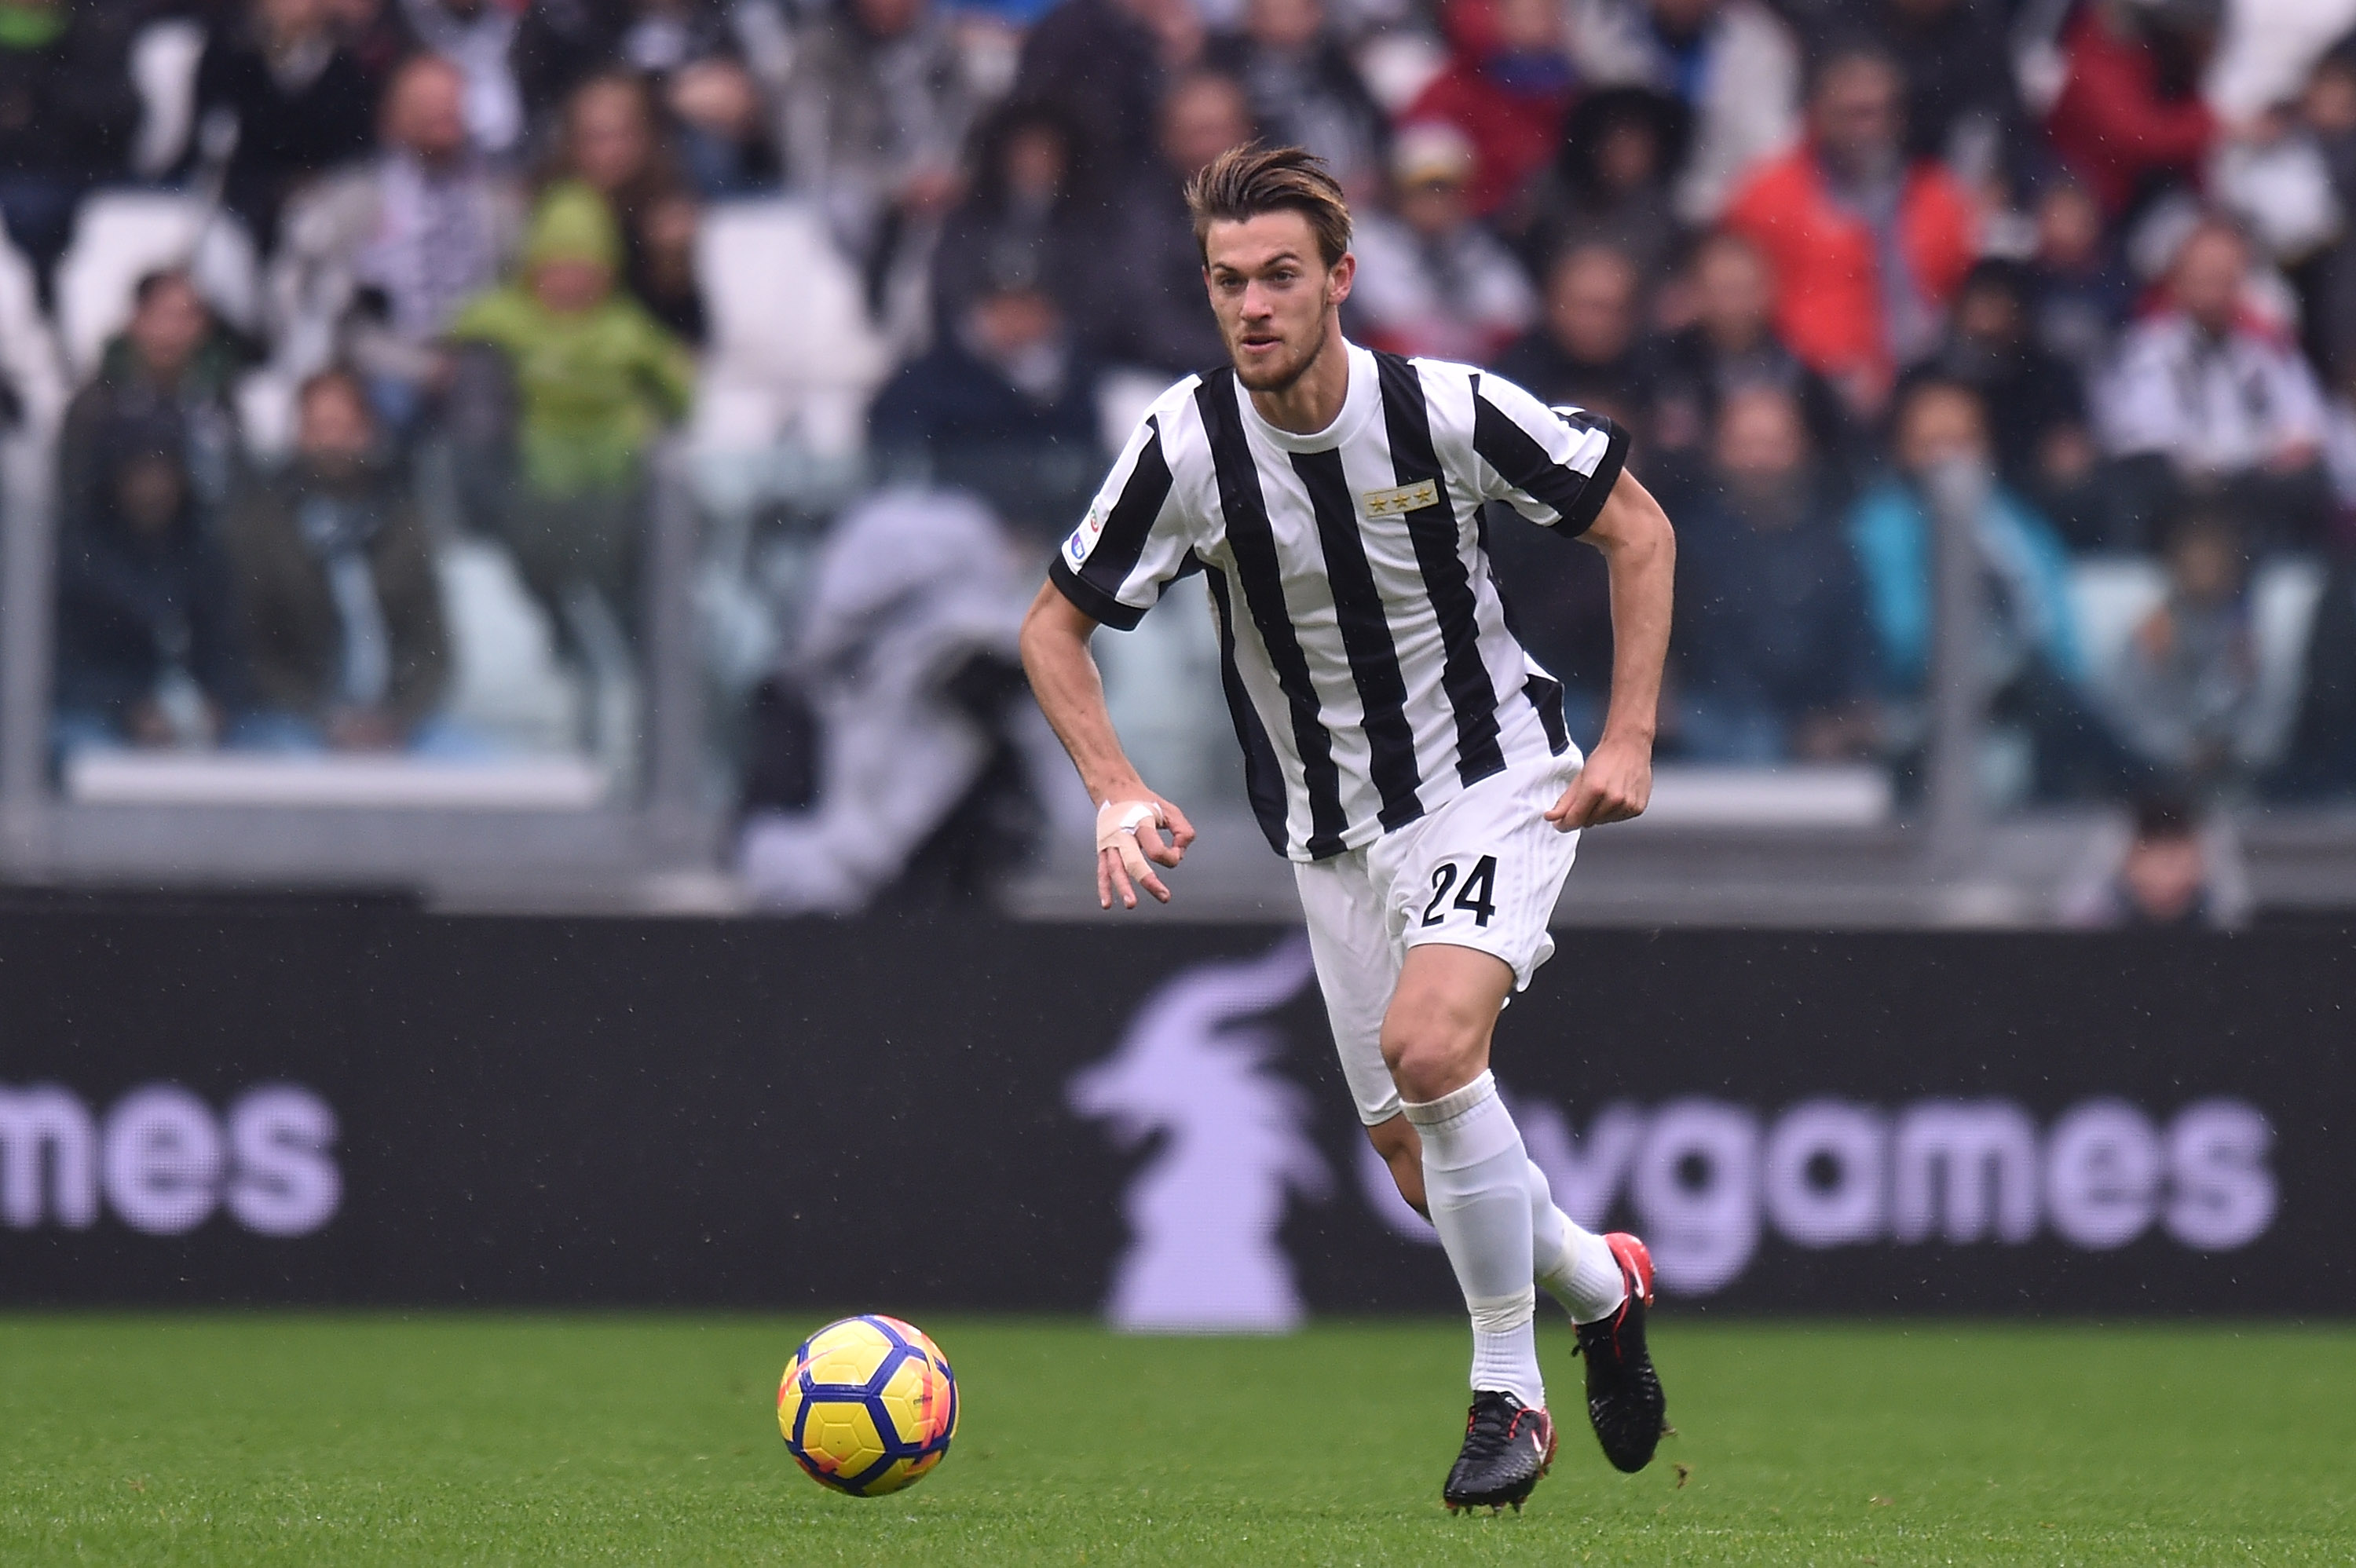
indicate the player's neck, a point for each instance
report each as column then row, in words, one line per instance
column 1314, row 400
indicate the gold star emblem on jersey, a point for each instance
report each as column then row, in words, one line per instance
column 1402, row 500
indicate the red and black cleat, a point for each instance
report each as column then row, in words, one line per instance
column 1624, row 1394
column 1507, row 1447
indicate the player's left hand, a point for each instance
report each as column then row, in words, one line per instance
column 1615, row 785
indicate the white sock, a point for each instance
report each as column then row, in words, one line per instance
column 1574, row 1265
column 1477, row 1181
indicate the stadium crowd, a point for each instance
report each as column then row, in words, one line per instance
column 1837, row 264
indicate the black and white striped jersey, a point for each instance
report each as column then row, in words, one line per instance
column 1363, row 647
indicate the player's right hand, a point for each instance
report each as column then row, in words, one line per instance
column 1130, row 844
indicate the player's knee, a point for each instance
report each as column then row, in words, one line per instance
column 1431, row 1052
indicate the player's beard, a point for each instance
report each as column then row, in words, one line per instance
column 1280, row 381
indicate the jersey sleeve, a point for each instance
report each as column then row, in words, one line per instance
column 1134, row 540
column 1555, row 467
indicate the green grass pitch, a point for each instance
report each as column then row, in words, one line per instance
column 485, row 1439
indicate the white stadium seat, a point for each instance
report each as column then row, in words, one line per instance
column 793, row 357
column 164, row 58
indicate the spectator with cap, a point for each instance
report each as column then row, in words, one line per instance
column 1866, row 246
column 1610, row 183
column 597, row 381
column 2036, row 403
column 68, row 117
column 146, row 640
column 1507, row 86
column 1585, row 350
column 339, row 608
column 612, row 139
column 1431, row 281
column 1732, row 63
column 1776, row 659
column 876, row 116
column 1003, row 405
column 295, row 97
column 2204, row 395
column 375, row 263
column 1304, row 90
column 169, row 368
column 2129, row 119
column 1156, row 319
column 1730, row 346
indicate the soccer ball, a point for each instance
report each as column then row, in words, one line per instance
column 868, row 1405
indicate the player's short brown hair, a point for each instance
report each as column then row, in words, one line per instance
column 1244, row 182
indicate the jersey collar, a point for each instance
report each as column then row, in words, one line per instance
column 1358, row 404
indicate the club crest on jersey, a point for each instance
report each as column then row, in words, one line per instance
column 1083, row 538
column 1399, row 501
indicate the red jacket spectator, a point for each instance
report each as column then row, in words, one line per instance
column 1507, row 88
column 2111, row 125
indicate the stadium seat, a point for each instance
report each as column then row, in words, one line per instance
column 28, row 359
column 122, row 235
column 505, row 680
column 793, row 357
column 164, row 58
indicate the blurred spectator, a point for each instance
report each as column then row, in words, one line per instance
column 2080, row 292
column 1731, row 345
column 146, row 644
column 2321, row 760
column 1866, row 246
column 2030, row 661
column 1609, row 184
column 1962, row 108
column 169, row 370
column 1584, row 349
column 374, row 264
column 597, row 380
column 1733, row 63
column 1158, row 319
column 2182, row 693
column 1304, row 90
column 876, row 116
column 375, row 34
column 68, row 115
column 612, row 142
column 1102, row 64
column 2163, row 878
column 2036, row 404
column 1432, row 281
column 2129, row 119
column 1776, row 658
column 1004, row 405
column 2203, row 395
column 687, row 53
column 1507, row 87
column 339, row 605
column 479, row 37
column 1026, row 207
column 2328, row 295
column 296, row 98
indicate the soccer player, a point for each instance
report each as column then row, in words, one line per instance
column 1399, row 746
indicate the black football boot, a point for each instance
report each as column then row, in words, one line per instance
column 1507, row 1447
column 1624, row 1394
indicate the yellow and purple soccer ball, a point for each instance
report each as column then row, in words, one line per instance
column 868, row 1405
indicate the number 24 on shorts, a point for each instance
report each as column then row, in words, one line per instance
column 1478, row 895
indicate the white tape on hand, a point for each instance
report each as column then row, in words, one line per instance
column 1117, row 825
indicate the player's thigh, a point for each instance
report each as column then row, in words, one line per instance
column 1357, row 968
column 1486, row 873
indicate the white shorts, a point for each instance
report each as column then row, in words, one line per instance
column 1482, row 871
